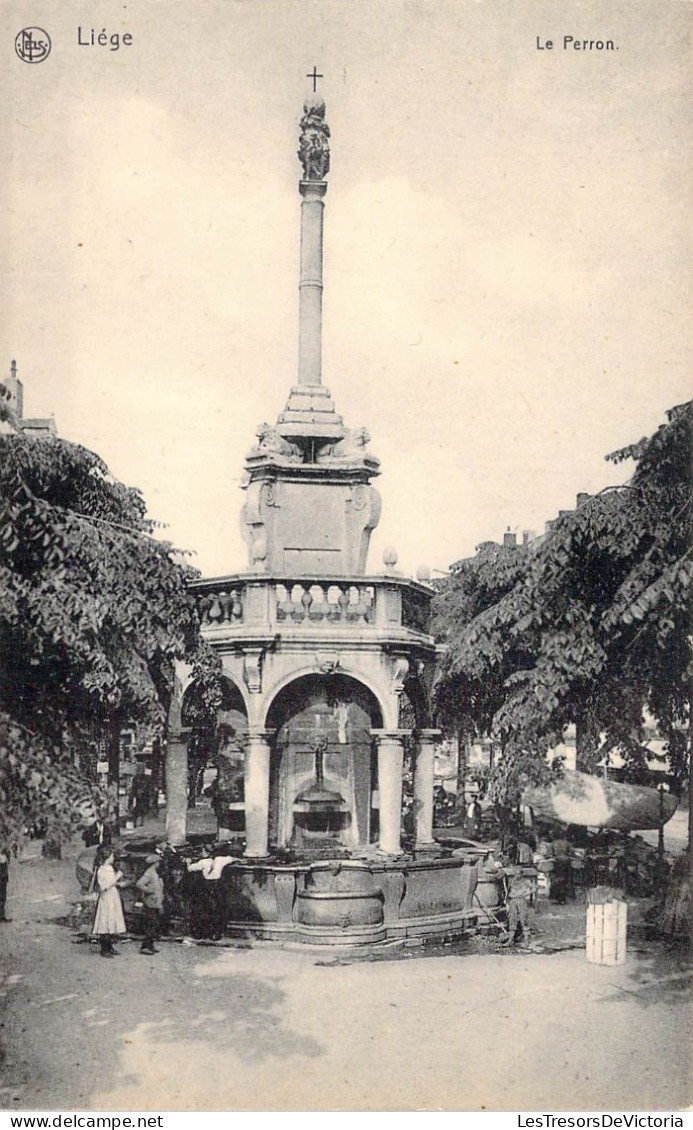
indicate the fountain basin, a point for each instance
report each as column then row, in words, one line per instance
column 355, row 901
column 338, row 901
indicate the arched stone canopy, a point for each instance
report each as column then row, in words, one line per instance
column 217, row 740
column 331, row 716
column 380, row 708
column 232, row 706
column 332, row 688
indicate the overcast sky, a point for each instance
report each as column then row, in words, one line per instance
column 506, row 267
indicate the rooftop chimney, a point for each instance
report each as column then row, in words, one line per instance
column 16, row 391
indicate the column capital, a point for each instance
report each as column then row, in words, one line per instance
column 312, row 189
column 396, row 736
column 428, row 735
column 258, row 733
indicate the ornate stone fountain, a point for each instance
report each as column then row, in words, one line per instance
column 318, row 657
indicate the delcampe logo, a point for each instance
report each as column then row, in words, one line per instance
column 33, row 44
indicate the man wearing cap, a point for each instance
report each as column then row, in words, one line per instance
column 151, row 886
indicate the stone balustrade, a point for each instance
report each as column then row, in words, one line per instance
column 219, row 606
column 323, row 603
column 247, row 600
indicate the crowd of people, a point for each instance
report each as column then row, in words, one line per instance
column 191, row 885
column 533, row 858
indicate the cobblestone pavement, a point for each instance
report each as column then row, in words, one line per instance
column 255, row 1028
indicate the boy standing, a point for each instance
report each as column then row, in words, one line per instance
column 151, row 886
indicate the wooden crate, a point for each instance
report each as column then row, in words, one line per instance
column 606, row 933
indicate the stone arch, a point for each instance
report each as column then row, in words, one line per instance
column 383, row 707
column 232, row 701
column 322, row 747
column 215, row 742
column 333, row 683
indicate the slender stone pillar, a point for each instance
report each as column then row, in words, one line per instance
column 176, row 774
column 310, row 410
column 257, row 782
column 425, row 743
column 310, row 285
column 390, row 766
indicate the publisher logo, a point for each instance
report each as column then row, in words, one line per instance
column 33, row 45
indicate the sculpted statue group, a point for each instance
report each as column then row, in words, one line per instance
column 314, row 145
column 350, row 450
column 271, row 442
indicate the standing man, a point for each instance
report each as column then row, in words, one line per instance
column 4, row 876
column 98, row 834
column 210, row 896
column 472, row 820
column 151, row 886
column 139, row 796
column 520, row 887
column 561, row 886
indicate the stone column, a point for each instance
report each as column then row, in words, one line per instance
column 426, row 741
column 390, row 766
column 176, row 774
column 310, row 285
column 257, row 782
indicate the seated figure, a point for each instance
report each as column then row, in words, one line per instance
column 350, row 449
column 270, row 442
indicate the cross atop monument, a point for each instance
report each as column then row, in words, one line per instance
column 314, row 76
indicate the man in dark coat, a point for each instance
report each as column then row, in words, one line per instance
column 560, row 889
column 4, row 876
column 140, row 795
column 98, row 834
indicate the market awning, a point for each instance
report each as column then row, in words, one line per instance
column 593, row 802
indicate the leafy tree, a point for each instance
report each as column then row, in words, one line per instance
column 40, row 787
column 94, row 611
column 587, row 624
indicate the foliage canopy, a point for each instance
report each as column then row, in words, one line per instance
column 94, row 611
column 587, row 624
